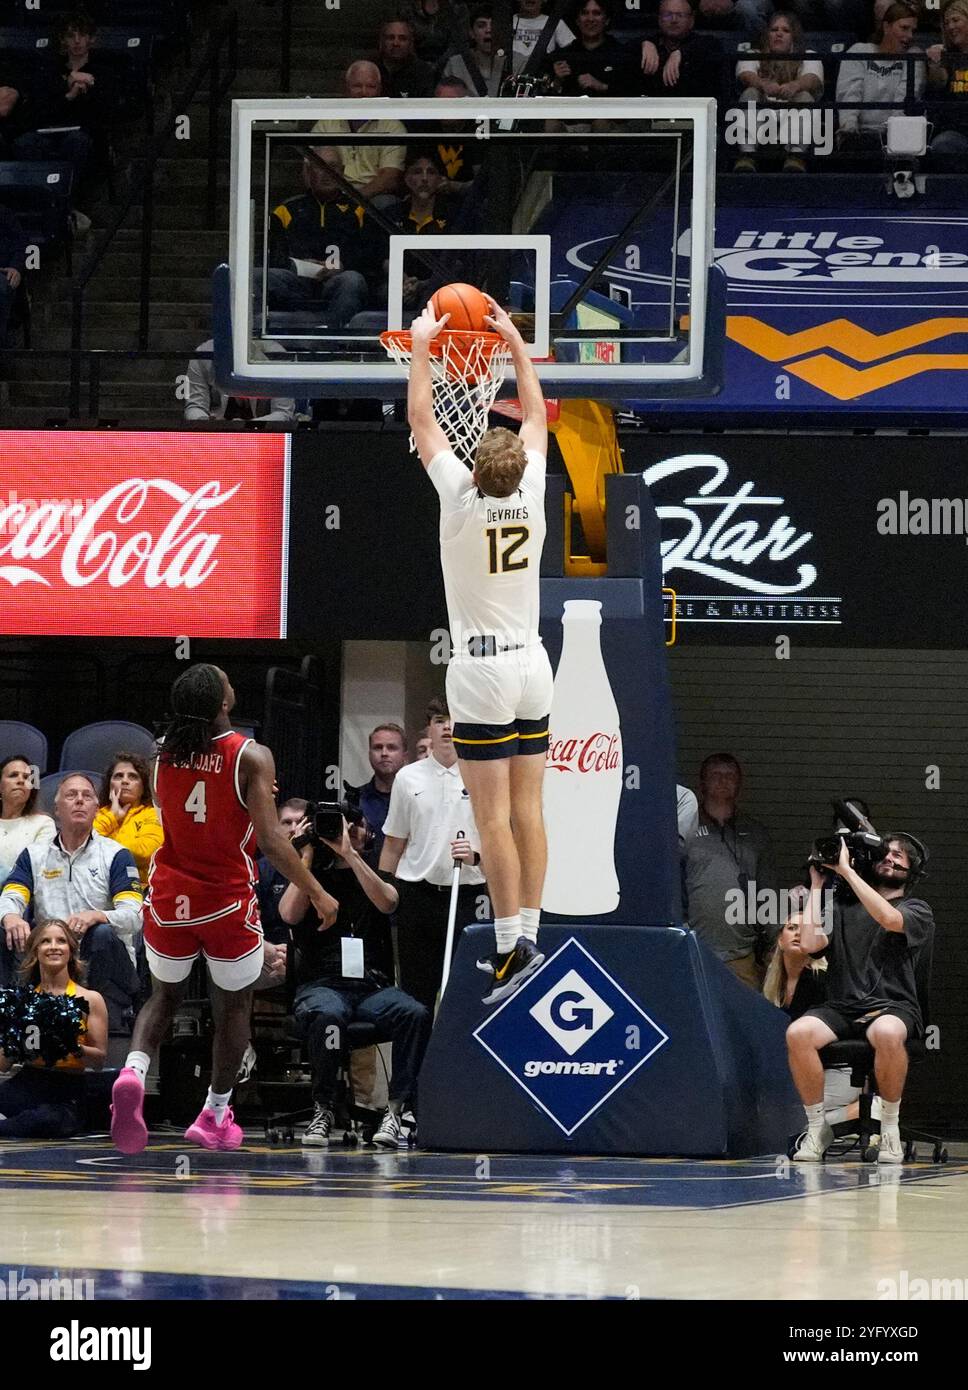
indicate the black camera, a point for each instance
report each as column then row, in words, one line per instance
column 326, row 819
column 864, row 845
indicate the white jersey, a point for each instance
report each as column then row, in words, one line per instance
column 490, row 553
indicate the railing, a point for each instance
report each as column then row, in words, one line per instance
column 219, row 65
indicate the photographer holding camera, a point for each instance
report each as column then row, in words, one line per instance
column 345, row 972
column 872, row 931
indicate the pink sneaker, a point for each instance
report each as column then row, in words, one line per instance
column 227, row 1135
column 128, row 1129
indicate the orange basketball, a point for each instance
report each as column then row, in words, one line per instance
column 466, row 306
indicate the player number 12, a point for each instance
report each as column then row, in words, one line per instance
column 515, row 537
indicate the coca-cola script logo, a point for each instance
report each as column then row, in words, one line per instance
column 176, row 534
column 724, row 535
column 599, row 752
column 103, row 541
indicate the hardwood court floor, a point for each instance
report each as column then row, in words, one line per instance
column 269, row 1222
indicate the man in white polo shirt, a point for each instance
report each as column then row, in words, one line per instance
column 430, row 824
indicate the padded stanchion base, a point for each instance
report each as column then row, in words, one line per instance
column 627, row 1040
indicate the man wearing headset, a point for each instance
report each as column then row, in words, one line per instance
column 874, row 937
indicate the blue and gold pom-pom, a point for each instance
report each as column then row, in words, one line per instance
column 44, row 1026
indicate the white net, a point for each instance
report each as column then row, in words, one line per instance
column 467, row 371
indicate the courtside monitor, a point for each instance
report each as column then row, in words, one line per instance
column 591, row 221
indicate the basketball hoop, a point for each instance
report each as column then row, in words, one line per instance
column 466, row 371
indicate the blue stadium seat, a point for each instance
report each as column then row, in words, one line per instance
column 50, row 783
column 16, row 737
column 96, row 744
column 39, row 193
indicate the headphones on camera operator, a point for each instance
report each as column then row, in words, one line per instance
column 853, row 825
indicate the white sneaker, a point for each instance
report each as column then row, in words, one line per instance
column 319, row 1130
column 814, row 1145
column 891, row 1149
column 390, row 1131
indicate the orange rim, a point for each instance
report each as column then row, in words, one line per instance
column 403, row 338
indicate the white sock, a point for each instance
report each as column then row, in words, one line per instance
column 890, row 1114
column 507, row 930
column 815, row 1117
column 530, row 917
column 217, row 1103
column 138, row 1062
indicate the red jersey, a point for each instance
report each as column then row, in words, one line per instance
column 204, row 869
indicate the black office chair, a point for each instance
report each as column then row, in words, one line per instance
column 859, row 1056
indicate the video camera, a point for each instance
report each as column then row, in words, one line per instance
column 326, row 819
column 864, row 844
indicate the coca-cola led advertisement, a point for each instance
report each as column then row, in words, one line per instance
column 155, row 535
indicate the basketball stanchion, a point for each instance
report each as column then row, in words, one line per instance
column 451, row 923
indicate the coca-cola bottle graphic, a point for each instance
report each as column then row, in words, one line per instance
column 583, row 776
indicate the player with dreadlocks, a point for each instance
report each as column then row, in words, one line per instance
column 214, row 788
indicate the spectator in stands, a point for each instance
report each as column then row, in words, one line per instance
column 269, row 888
column 529, row 23
column 887, row 81
column 422, row 745
column 321, row 247
column 678, row 62
column 403, row 74
column 460, row 160
column 728, row 850
column 475, row 65
column 88, row 882
column 387, row 747
column 375, row 171
column 127, row 813
column 345, row 974
column 72, row 103
column 42, row 1102
column 779, row 80
column 439, row 26
column 21, row 824
column 948, row 74
column 430, row 825
column 13, row 263
column 594, row 64
column 207, row 401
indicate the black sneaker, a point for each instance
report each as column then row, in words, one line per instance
column 319, row 1129
column 509, row 970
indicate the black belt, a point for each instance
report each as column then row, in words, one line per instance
column 487, row 646
column 437, row 887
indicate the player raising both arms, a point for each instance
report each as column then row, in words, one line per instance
column 492, row 528
column 214, row 789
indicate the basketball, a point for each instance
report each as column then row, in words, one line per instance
column 465, row 304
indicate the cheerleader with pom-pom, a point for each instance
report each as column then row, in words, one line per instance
column 55, row 1038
